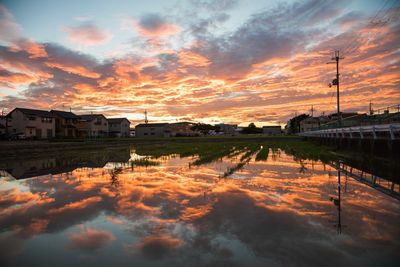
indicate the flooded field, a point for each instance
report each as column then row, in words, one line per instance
column 189, row 205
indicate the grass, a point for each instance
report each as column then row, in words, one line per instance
column 262, row 155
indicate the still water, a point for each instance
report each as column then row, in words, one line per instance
column 129, row 208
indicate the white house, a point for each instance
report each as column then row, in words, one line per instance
column 119, row 127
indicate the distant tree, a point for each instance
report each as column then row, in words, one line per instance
column 252, row 126
column 205, row 128
column 251, row 129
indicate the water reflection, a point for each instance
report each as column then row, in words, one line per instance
column 238, row 206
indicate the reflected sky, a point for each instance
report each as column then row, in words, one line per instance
column 280, row 211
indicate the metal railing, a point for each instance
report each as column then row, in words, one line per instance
column 383, row 131
column 387, row 115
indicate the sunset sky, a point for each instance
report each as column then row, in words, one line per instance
column 232, row 61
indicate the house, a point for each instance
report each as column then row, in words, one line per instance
column 66, row 123
column 33, row 123
column 272, row 130
column 92, row 125
column 309, row 124
column 119, row 127
column 152, row 130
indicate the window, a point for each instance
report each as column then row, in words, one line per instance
column 152, row 133
column 145, row 133
column 32, row 118
column 47, row 120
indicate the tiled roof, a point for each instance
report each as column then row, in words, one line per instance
column 65, row 114
column 151, row 124
column 116, row 120
column 35, row 112
column 90, row 117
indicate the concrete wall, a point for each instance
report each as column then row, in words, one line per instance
column 34, row 127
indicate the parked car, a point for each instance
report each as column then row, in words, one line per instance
column 17, row 136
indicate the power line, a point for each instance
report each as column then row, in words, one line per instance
column 354, row 43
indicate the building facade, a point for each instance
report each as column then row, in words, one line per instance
column 66, row 123
column 32, row 123
column 119, row 127
column 152, row 130
column 92, row 125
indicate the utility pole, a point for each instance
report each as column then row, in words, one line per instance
column 336, row 82
column 339, row 225
column 145, row 117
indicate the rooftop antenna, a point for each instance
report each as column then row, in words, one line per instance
column 146, row 121
column 371, row 111
column 70, row 109
column 312, row 110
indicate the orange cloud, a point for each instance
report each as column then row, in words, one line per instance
column 79, row 70
column 82, row 204
column 90, row 239
column 87, row 34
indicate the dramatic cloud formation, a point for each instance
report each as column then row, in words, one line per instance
column 179, row 211
column 87, row 34
column 192, row 66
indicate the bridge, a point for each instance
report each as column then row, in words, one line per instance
column 376, row 132
column 380, row 131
